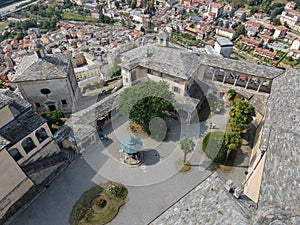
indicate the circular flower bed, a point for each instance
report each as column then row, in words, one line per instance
column 99, row 205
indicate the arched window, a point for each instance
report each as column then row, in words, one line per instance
column 28, row 144
column 41, row 135
column 14, row 152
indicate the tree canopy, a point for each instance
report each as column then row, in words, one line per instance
column 241, row 115
column 145, row 101
column 233, row 140
column 54, row 119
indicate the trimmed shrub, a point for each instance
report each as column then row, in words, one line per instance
column 117, row 190
column 214, row 146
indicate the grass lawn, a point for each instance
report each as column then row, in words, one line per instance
column 3, row 25
column 87, row 211
column 76, row 17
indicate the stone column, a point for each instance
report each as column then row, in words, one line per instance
column 225, row 75
column 235, row 80
column 249, row 78
column 216, row 72
column 261, row 81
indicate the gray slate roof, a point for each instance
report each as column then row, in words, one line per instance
column 50, row 67
column 182, row 63
column 224, row 41
column 171, row 60
column 209, row 203
column 279, row 195
column 25, row 121
column 240, row 66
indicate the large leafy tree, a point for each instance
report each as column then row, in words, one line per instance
column 233, row 140
column 186, row 145
column 145, row 101
column 241, row 115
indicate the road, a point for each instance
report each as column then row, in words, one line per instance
column 12, row 8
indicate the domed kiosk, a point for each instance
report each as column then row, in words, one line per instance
column 130, row 152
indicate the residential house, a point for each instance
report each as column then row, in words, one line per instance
column 250, row 42
column 289, row 38
column 269, row 29
column 290, row 5
column 291, row 17
column 265, row 53
column 280, row 32
column 252, row 27
column 215, row 8
column 225, row 32
column 266, row 38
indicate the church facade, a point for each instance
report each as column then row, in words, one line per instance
column 47, row 82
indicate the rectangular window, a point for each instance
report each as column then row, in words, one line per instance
column 176, row 89
column 37, row 105
column 176, row 79
column 162, row 75
column 64, row 102
column 149, row 71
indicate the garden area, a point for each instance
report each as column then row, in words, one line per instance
column 218, row 145
column 99, row 205
column 184, row 39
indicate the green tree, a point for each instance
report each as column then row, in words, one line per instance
column 186, row 145
column 226, row 24
column 232, row 93
column 145, row 101
column 244, row 17
column 233, row 141
column 214, row 146
column 240, row 30
column 241, row 115
column 116, row 69
column 133, row 4
column 220, row 23
column 117, row 4
column 54, row 118
column 253, row 10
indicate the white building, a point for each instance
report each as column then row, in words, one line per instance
column 223, row 46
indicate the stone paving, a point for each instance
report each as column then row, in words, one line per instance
column 152, row 189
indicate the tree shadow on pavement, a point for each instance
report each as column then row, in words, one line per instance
column 151, row 157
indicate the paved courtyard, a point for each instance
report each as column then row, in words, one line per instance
column 152, row 187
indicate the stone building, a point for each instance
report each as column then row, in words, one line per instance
column 24, row 139
column 47, row 82
column 160, row 62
